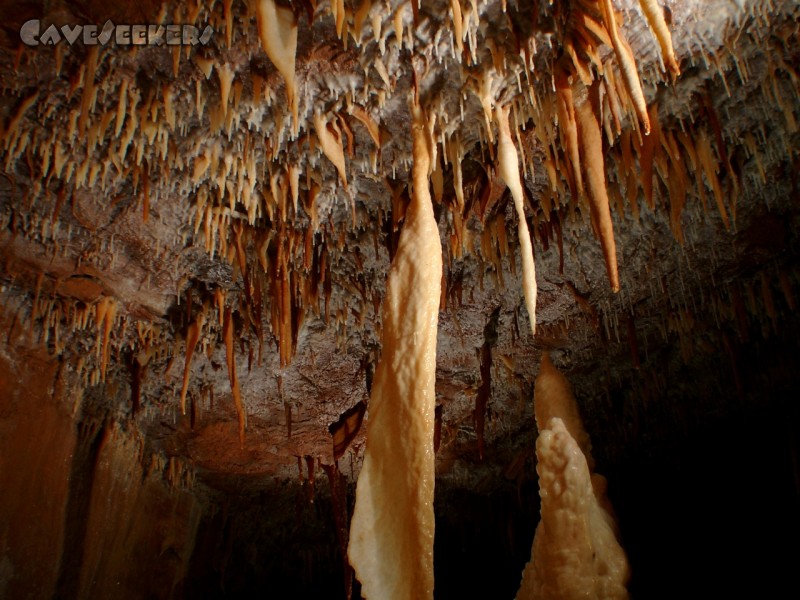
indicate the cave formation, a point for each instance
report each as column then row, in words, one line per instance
column 197, row 242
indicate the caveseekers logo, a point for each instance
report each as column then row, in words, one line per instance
column 123, row 35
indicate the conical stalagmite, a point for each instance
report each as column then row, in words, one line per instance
column 575, row 553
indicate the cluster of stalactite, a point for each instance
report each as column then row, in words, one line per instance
column 254, row 179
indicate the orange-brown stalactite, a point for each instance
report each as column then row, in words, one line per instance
column 655, row 16
column 650, row 145
column 594, row 168
column 330, row 141
column 677, row 185
column 283, row 306
column 610, row 89
column 106, row 313
column 228, row 16
column 88, row 96
column 710, row 113
column 79, row 483
column 710, row 168
column 277, row 29
column 569, row 130
column 230, row 357
column 192, row 337
column 373, row 128
column 627, row 64
column 137, row 376
column 346, row 428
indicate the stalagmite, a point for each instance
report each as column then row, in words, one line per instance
column 391, row 535
column 575, row 552
column 509, row 171
column 277, row 28
column 553, row 397
column 594, row 167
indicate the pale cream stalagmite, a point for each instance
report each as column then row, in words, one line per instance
column 391, row 534
column 509, row 171
column 277, row 28
column 575, row 552
column 554, row 398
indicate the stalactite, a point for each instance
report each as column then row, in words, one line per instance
column 391, row 535
column 346, row 428
column 655, row 16
column 106, row 314
column 192, row 337
column 627, row 64
column 277, row 29
column 594, row 167
column 569, row 130
column 710, row 168
column 509, row 171
column 230, row 358
column 330, row 140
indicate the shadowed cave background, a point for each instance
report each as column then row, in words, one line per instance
column 687, row 379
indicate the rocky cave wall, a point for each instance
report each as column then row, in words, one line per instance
column 132, row 227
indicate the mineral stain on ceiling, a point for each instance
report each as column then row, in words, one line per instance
column 195, row 243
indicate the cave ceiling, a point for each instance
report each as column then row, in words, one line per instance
column 171, row 206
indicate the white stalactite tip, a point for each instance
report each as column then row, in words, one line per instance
column 391, row 534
